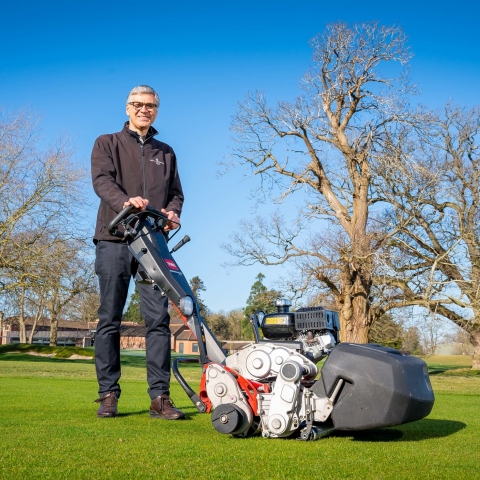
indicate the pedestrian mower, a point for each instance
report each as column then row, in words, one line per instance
column 273, row 386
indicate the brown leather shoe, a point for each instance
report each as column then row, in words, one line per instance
column 163, row 407
column 108, row 405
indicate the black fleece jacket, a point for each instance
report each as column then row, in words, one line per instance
column 124, row 167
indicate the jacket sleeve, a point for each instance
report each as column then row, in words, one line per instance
column 104, row 174
column 175, row 192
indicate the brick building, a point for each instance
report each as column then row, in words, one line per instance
column 182, row 340
column 70, row 333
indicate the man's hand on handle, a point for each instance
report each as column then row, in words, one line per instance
column 175, row 220
column 137, row 202
column 141, row 203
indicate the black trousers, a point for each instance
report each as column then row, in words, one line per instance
column 114, row 266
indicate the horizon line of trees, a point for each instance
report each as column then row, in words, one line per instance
column 424, row 337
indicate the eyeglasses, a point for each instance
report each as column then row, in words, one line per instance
column 139, row 105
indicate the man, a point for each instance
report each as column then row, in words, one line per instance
column 131, row 167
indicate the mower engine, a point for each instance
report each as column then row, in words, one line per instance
column 315, row 327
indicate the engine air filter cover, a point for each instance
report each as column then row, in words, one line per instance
column 316, row 318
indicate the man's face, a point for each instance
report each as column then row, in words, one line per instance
column 142, row 118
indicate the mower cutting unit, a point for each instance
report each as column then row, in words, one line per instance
column 271, row 387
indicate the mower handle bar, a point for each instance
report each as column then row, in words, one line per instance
column 152, row 212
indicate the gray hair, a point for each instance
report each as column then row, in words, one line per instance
column 143, row 89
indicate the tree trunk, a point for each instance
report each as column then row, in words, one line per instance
column 354, row 321
column 35, row 321
column 53, row 330
column 475, row 338
column 355, row 318
column 1, row 328
column 32, row 332
column 21, row 319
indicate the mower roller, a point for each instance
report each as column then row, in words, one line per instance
column 273, row 386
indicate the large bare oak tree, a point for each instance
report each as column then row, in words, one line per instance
column 322, row 144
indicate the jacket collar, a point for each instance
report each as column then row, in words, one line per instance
column 135, row 136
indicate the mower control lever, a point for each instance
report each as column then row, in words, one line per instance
column 180, row 244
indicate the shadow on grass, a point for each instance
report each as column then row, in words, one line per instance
column 439, row 370
column 457, row 371
column 131, row 414
column 422, row 430
column 188, row 415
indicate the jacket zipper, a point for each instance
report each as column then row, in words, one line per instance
column 143, row 168
column 142, row 143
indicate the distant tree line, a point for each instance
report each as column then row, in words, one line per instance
column 422, row 338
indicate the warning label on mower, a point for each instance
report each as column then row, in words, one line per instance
column 275, row 320
column 171, row 264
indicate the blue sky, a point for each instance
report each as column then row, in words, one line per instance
column 74, row 64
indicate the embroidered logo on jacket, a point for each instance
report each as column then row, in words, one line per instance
column 156, row 161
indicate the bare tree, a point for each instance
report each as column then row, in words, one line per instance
column 39, row 313
column 22, row 280
column 21, row 314
column 67, row 275
column 432, row 182
column 411, row 341
column 60, row 275
column 430, row 331
column 40, row 202
column 323, row 144
column 39, row 189
column 463, row 343
column 23, row 304
column 86, row 305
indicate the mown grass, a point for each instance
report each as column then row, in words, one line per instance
column 48, row 429
column 451, row 365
